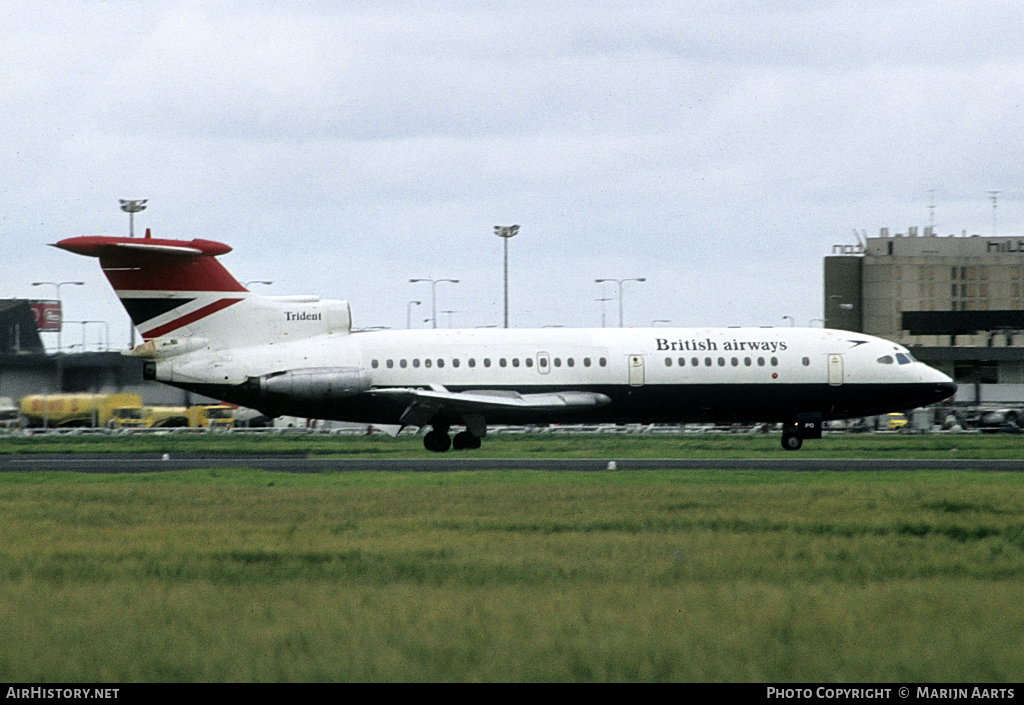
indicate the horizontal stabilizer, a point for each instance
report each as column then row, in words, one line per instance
column 104, row 246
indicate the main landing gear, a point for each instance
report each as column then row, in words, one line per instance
column 438, row 441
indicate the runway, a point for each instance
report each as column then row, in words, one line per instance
column 154, row 462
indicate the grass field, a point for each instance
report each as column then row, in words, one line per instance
column 545, row 445
column 244, row 575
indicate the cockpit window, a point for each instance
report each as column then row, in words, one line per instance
column 886, row 359
column 902, row 359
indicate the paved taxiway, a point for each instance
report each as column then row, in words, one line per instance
column 452, row 462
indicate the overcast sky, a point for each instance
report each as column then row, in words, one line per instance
column 718, row 149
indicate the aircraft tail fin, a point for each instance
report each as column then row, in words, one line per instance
column 176, row 289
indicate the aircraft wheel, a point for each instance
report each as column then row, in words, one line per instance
column 465, row 441
column 437, row 441
column 791, row 441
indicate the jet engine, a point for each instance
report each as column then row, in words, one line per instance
column 314, row 384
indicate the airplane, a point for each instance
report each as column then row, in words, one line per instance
column 299, row 355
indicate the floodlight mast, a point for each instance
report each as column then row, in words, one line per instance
column 505, row 232
column 131, row 208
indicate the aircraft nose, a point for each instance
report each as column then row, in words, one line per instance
column 942, row 387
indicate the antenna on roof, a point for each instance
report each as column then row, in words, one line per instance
column 994, row 195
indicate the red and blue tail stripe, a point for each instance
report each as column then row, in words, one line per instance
column 164, row 285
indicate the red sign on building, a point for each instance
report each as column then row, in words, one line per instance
column 47, row 314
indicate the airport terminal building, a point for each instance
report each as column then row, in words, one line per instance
column 956, row 301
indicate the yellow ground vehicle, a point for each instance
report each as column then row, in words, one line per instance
column 894, row 422
column 82, row 410
column 202, row 416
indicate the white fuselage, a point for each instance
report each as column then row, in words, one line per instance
column 657, row 375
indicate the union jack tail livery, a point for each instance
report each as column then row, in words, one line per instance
column 176, row 290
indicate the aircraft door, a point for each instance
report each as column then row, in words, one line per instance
column 636, row 370
column 835, row 369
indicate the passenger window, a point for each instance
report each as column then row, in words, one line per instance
column 440, row 362
column 586, row 362
column 603, row 362
column 403, row 364
column 807, row 362
column 391, row 364
column 416, row 362
column 472, row 362
column 374, row 364
column 668, row 362
column 570, row 362
column 760, row 362
column 735, row 362
column 695, row 362
column 721, row 362
column 558, row 362
column 455, row 362
column 682, row 362
column 529, row 362
column 707, row 362
column 503, row 362
column 427, row 362
column 747, row 361
column 487, row 362
column 515, row 362
column 775, row 362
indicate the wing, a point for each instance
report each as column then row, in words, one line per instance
column 473, row 405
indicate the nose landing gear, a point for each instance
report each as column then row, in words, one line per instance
column 791, row 441
column 807, row 425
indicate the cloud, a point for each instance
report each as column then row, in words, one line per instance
column 718, row 149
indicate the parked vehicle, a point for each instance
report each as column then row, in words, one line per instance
column 212, row 416
column 82, row 411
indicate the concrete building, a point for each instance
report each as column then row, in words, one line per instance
column 957, row 301
column 26, row 367
column 19, row 331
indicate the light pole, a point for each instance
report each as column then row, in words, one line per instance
column 106, row 328
column 59, row 303
column 433, row 296
column 619, row 283
column 505, row 232
column 602, row 300
column 131, row 208
column 408, row 313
